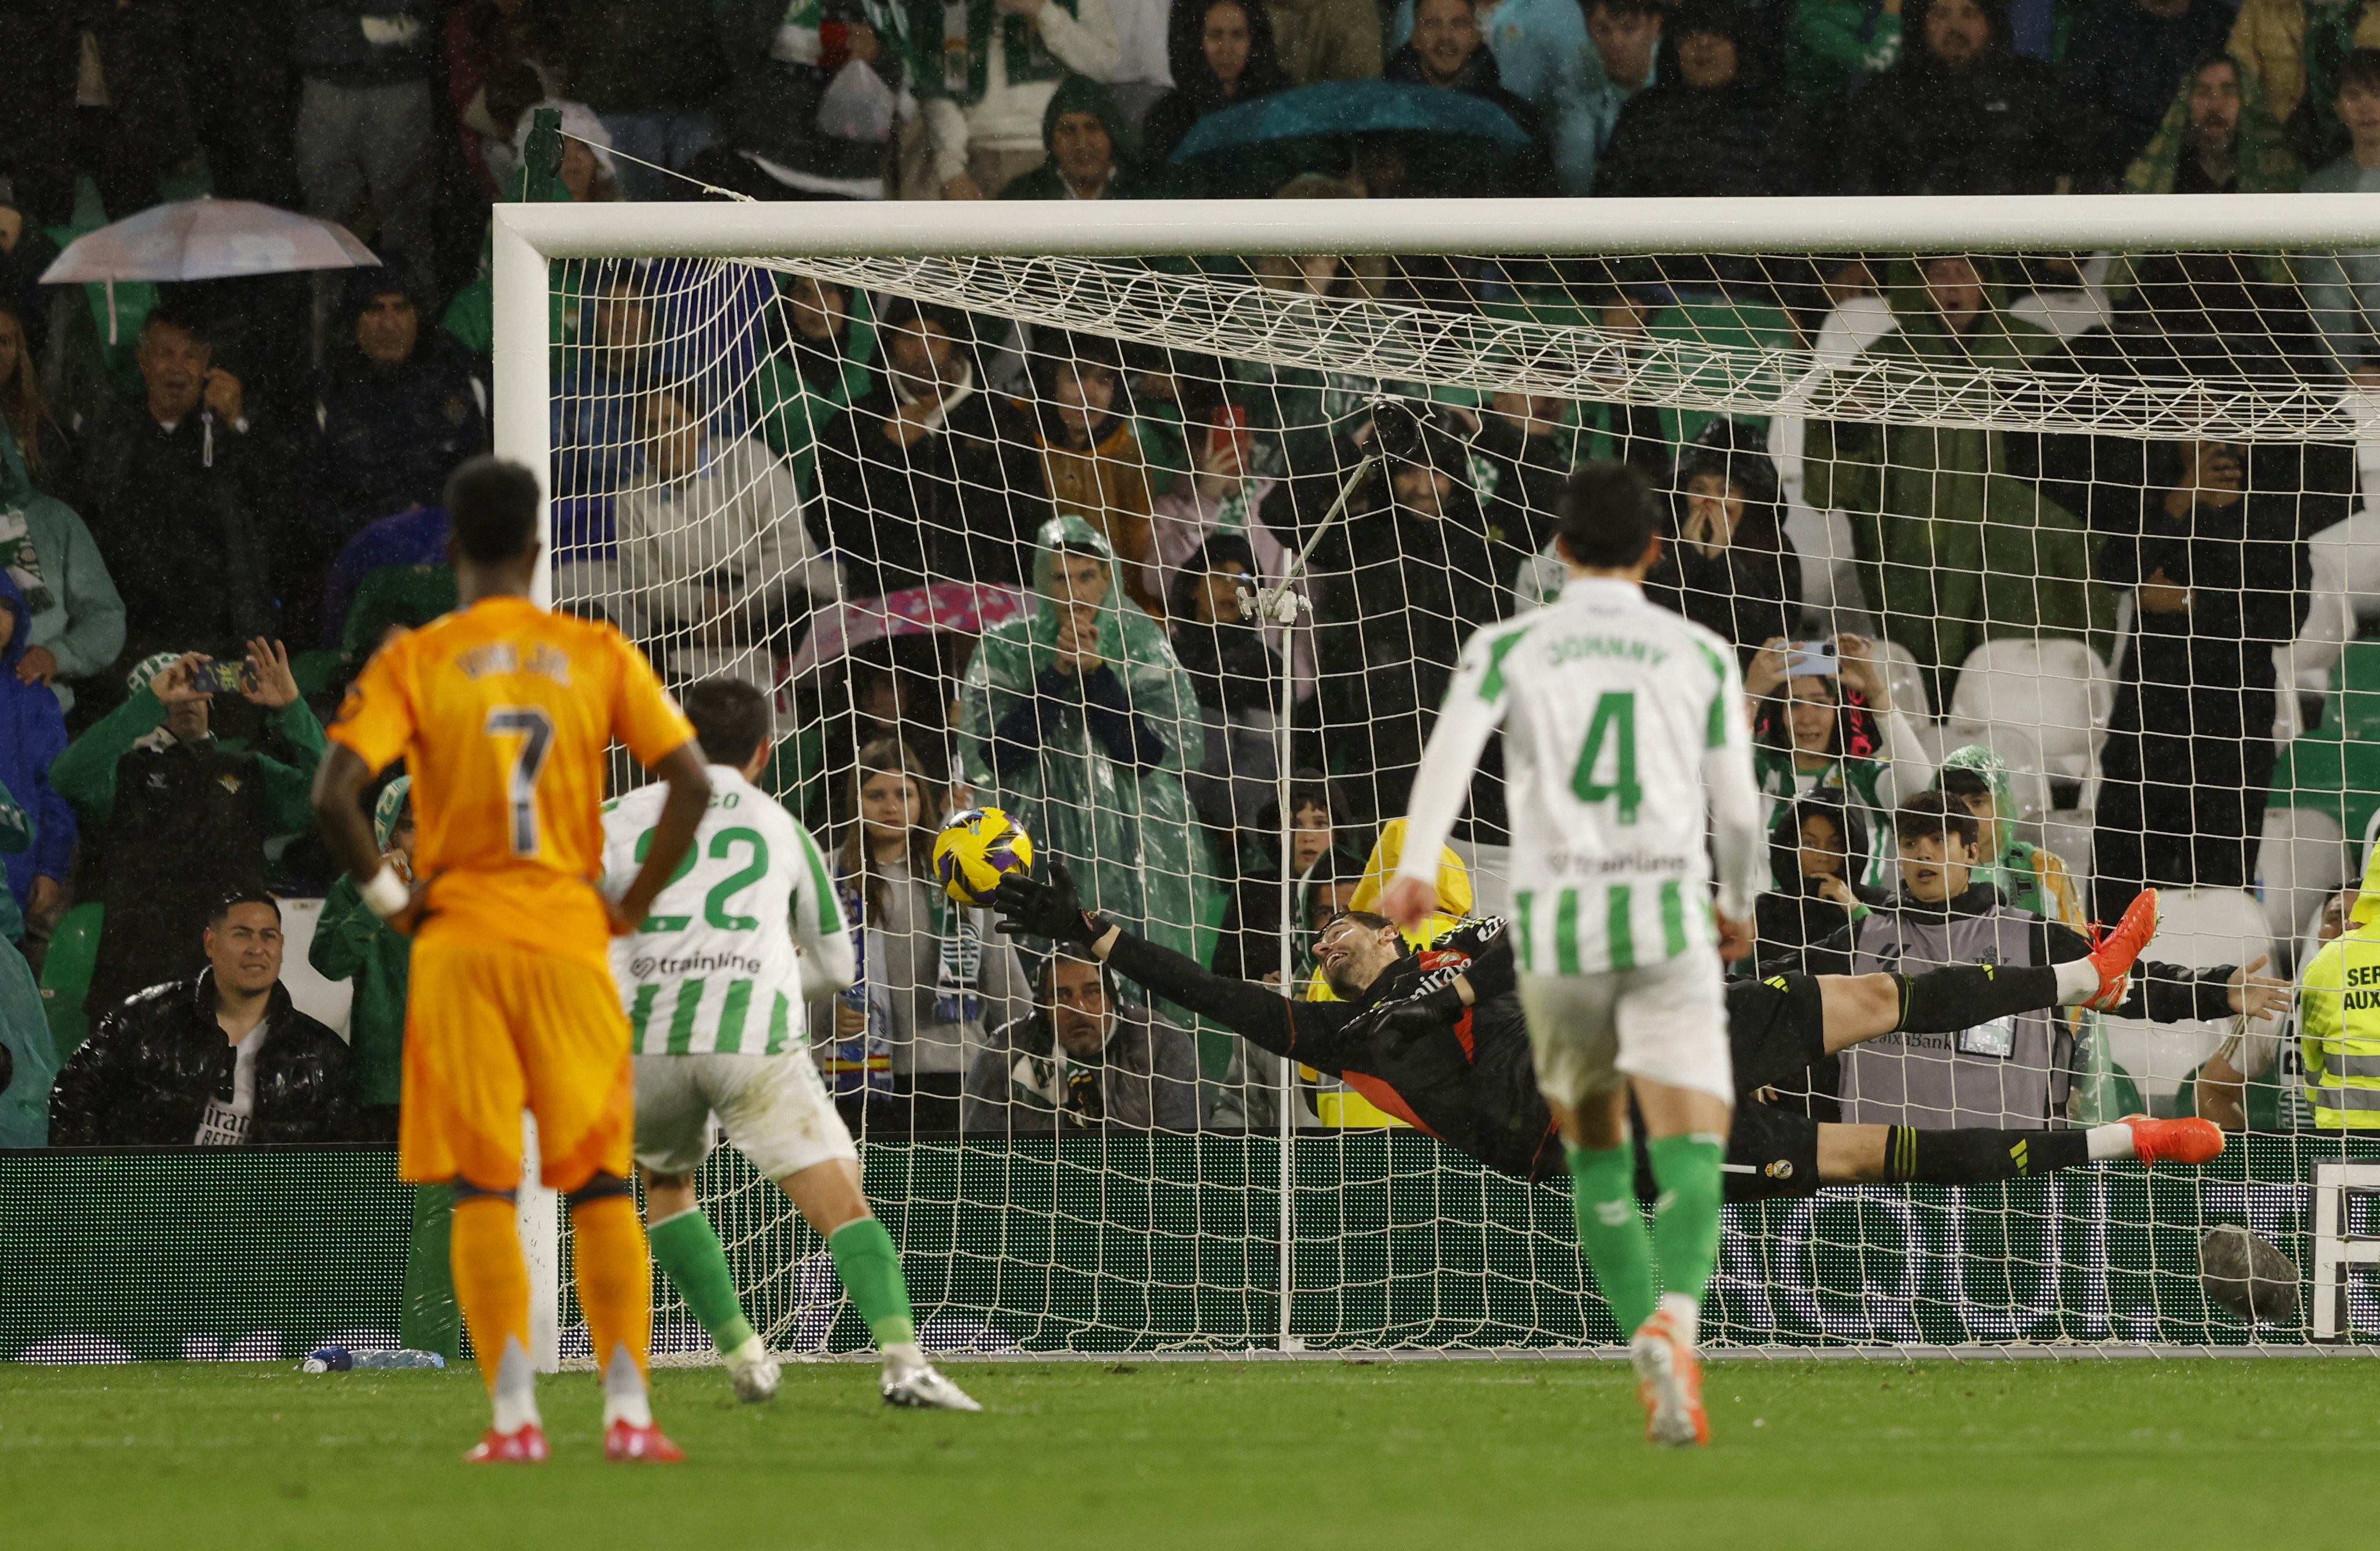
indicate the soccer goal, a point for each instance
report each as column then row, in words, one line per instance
column 1160, row 524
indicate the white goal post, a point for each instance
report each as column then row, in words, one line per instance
column 870, row 244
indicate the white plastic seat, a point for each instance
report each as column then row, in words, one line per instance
column 2055, row 691
column 1905, row 677
column 2201, row 929
column 2301, row 862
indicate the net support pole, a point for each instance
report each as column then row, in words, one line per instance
column 520, row 391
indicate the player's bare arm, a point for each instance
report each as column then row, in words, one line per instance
column 689, row 794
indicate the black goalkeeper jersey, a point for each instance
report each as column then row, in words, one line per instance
column 1408, row 1044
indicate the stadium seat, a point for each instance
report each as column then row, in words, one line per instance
column 66, row 974
column 2301, row 862
column 2056, row 691
column 326, row 1002
column 1908, row 680
column 2201, row 927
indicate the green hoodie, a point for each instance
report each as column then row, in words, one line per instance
column 1128, row 837
column 1952, row 549
column 2027, row 876
column 350, row 940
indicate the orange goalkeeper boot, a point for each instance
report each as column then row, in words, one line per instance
column 525, row 1446
column 624, row 1440
column 2115, row 949
column 1670, row 1382
column 2190, row 1140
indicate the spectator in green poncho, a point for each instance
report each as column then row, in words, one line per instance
column 350, row 943
column 1953, row 549
column 1078, row 721
column 2028, row 876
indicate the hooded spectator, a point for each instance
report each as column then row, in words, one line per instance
column 1235, row 675
column 77, row 619
column 33, row 734
column 1818, row 847
column 2293, row 51
column 2028, row 876
column 1073, row 718
column 1089, row 146
column 1961, row 112
column 1713, row 126
column 1328, row 40
column 396, row 406
column 1398, row 585
column 366, row 135
column 1223, row 53
column 178, row 493
column 2121, row 64
column 1954, row 549
column 924, row 478
column 987, row 108
column 1727, row 564
column 184, row 816
column 2216, row 138
column 1081, row 431
column 1447, row 52
column 821, row 358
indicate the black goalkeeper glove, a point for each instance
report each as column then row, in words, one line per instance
column 1029, row 908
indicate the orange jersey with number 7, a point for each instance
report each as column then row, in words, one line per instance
column 503, row 714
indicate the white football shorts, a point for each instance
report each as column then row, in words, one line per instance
column 775, row 1111
column 1666, row 1023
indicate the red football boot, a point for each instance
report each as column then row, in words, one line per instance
column 624, row 1440
column 2185, row 1141
column 526, row 1447
column 2114, row 949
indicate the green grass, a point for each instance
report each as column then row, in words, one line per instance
column 1846, row 1455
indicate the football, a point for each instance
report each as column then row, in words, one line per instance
column 2246, row 1275
column 976, row 850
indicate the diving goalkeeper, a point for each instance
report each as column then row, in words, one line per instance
column 1436, row 1038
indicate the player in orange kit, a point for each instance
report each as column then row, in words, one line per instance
column 503, row 713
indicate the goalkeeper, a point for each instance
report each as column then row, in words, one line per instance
column 1436, row 1038
column 713, row 990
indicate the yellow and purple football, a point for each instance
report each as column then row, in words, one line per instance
column 976, row 850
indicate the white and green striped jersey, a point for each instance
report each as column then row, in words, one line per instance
column 1625, row 747
column 712, row 968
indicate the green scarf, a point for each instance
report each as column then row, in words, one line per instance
column 1026, row 55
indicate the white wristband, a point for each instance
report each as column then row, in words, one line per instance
column 386, row 893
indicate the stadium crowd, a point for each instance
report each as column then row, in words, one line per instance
column 218, row 497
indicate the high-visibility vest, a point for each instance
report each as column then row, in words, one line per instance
column 2340, row 1032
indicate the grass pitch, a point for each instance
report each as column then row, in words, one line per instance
column 1840, row 1454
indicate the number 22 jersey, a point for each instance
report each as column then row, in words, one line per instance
column 503, row 714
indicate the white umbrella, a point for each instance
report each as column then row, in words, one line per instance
column 204, row 239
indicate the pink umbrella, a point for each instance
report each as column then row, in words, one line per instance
column 970, row 608
column 204, row 239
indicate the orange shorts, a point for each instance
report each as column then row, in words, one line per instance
column 491, row 1029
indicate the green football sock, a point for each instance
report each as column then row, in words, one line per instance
column 1612, row 1233
column 687, row 1248
column 870, row 1269
column 1686, row 1216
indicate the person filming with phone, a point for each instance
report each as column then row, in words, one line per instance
column 1823, row 721
column 180, row 814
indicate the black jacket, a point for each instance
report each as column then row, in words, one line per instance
column 2123, row 64
column 2001, row 126
column 144, row 1079
column 1461, row 1073
column 389, row 434
column 1679, row 141
column 960, row 503
column 177, row 515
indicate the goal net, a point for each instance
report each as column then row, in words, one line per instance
column 1169, row 553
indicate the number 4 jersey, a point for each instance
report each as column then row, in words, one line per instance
column 1623, row 725
column 503, row 714
column 712, row 969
